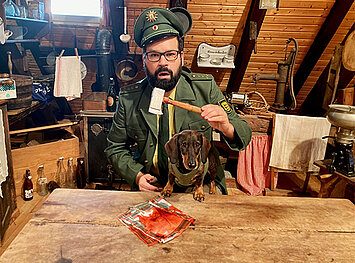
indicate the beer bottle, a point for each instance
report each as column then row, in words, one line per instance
column 70, row 174
column 80, row 173
column 61, row 174
column 28, row 187
column 111, row 97
column 42, row 182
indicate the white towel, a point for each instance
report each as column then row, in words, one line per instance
column 298, row 142
column 67, row 81
column 3, row 156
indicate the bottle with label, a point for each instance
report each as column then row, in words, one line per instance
column 28, row 187
column 60, row 177
column 111, row 97
column 80, row 173
column 71, row 182
column 42, row 182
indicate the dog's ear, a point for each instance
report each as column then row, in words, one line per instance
column 205, row 148
column 171, row 148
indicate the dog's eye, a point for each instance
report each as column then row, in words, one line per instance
column 198, row 144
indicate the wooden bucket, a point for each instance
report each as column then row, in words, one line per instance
column 24, row 87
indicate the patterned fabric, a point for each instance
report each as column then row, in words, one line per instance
column 253, row 165
column 7, row 91
column 156, row 221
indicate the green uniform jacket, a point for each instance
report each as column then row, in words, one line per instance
column 133, row 136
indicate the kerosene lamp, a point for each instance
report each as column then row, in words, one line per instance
column 343, row 117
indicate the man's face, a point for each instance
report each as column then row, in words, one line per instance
column 163, row 73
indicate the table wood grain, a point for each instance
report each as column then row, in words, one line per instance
column 82, row 226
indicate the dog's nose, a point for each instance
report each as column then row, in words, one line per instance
column 192, row 164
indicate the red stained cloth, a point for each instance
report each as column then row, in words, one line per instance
column 156, row 221
column 253, row 165
column 161, row 222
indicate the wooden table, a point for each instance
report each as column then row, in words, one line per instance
column 82, row 225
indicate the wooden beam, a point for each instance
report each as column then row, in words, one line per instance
column 313, row 104
column 321, row 41
column 54, row 126
column 178, row 3
column 246, row 47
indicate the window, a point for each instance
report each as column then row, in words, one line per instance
column 79, row 12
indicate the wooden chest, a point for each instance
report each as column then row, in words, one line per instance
column 47, row 154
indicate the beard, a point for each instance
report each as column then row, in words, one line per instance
column 165, row 84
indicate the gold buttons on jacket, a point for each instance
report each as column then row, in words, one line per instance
column 151, row 144
column 135, row 137
column 145, row 161
column 203, row 127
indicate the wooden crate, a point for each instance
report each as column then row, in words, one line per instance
column 47, row 154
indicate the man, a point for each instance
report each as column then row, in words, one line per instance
column 134, row 137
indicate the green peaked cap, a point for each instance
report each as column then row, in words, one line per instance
column 156, row 22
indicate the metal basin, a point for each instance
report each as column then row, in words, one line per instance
column 342, row 116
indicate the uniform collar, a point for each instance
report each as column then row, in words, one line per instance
column 184, row 91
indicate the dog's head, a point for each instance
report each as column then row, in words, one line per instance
column 188, row 145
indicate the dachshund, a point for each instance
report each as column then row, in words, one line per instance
column 190, row 160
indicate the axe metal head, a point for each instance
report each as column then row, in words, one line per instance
column 156, row 101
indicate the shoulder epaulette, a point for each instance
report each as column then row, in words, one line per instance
column 131, row 88
column 199, row 76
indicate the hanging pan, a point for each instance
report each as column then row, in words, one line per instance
column 126, row 70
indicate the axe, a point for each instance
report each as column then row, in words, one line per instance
column 158, row 98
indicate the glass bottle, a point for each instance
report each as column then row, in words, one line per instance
column 61, row 174
column 80, row 173
column 28, row 187
column 111, row 97
column 42, row 182
column 70, row 174
column 9, row 8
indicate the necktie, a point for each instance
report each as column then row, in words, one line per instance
column 163, row 138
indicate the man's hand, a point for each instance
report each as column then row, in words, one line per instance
column 218, row 119
column 143, row 181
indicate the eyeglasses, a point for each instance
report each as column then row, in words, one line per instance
column 154, row 56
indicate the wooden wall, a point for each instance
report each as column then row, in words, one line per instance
column 220, row 22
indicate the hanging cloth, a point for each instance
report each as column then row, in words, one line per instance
column 3, row 156
column 67, row 81
column 253, row 165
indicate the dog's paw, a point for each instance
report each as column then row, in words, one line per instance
column 166, row 192
column 213, row 188
column 199, row 196
column 213, row 191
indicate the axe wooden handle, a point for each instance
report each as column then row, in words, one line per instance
column 182, row 105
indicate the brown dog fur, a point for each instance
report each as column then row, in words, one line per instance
column 184, row 149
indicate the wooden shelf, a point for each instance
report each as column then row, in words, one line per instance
column 13, row 41
column 34, row 26
column 16, row 115
column 31, row 20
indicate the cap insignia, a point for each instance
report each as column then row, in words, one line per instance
column 151, row 16
column 155, row 27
